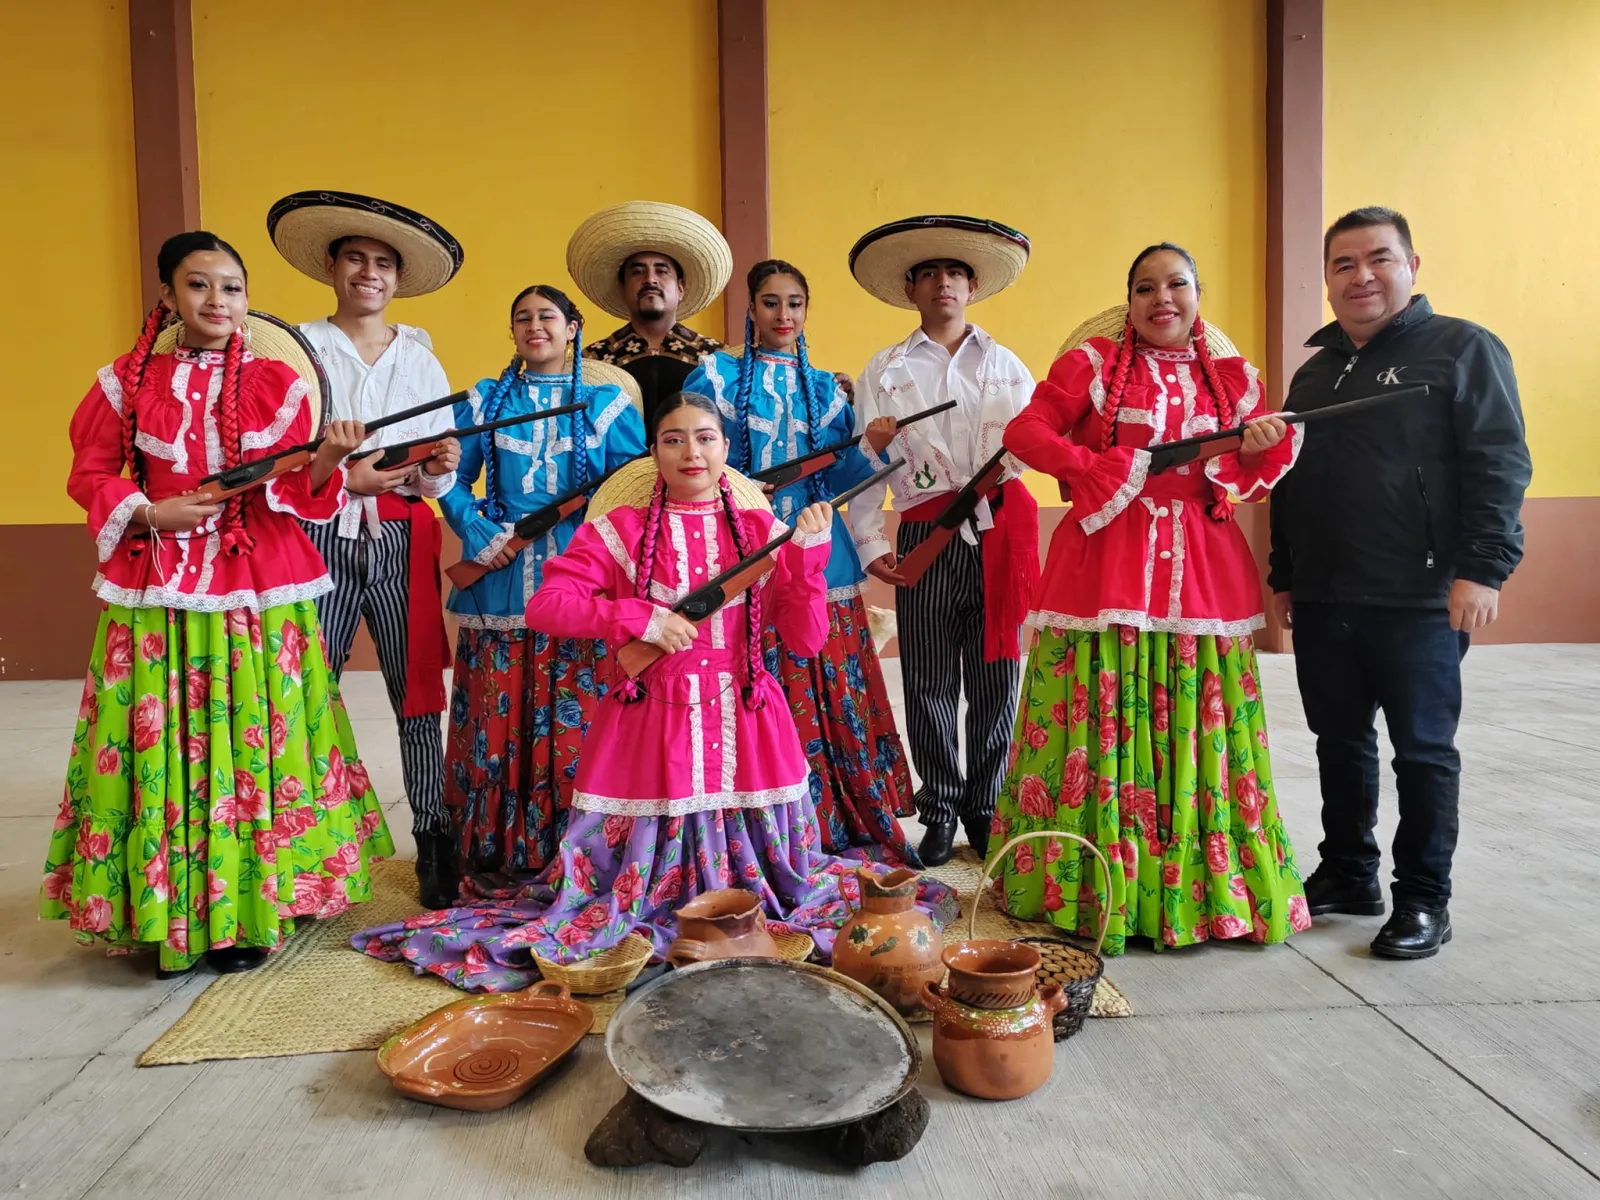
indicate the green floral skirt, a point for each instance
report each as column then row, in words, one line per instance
column 1153, row 746
column 213, row 794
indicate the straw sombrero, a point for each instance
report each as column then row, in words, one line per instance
column 302, row 226
column 882, row 258
column 1111, row 323
column 268, row 337
column 633, row 484
column 602, row 374
column 613, row 235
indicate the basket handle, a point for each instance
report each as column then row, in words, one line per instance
column 994, row 863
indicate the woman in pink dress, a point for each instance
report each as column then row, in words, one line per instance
column 691, row 778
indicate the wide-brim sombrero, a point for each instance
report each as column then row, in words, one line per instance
column 601, row 374
column 881, row 259
column 608, row 239
column 633, row 485
column 268, row 337
column 302, row 226
column 1113, row 321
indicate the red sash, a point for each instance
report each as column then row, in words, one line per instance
column 427, row 644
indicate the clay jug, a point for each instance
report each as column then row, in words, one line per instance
column 992, row 973
column 887, row 945
column 726, row 923
column 994, row 1053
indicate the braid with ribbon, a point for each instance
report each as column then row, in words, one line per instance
column 580, row 420
column 132, row 379
column 491, row 505
column 1119, row 384
column 817, row 395
column 236, row 538
column 739, row 445
column 754, row 626
column 1227, row 412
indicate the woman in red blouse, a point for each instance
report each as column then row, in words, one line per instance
column 1141, row 726
column 213, row 793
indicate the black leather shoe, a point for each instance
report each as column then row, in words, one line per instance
column 1412, row 933
column 437, row 882
column 978, row 835
column 1329, row 893
column 938, row 844
column 231, row 960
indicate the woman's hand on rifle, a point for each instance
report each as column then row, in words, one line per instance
column 1261, row 435
column 446, row 457
column 175, row 514
column 815, row 518
column 880, row 432
column 340, row 439
column 677, row 633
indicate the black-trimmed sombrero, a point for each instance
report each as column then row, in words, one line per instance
column 610, row 237
column 881, row 259
column 268, row 337
column 303, row 224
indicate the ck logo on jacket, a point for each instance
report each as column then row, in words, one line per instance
column 1391, row 376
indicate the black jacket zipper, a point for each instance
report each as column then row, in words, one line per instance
column 1427, row 511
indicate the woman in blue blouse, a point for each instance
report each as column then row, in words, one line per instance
column 521, row 699
column 776, row 406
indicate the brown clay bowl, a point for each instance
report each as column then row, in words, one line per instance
column 989, row 973
column 485, row 1052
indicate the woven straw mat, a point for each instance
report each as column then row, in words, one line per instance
column 317, row 995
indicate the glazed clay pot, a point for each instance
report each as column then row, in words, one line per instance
column 994, row 1053
column 726, row 923
column 990, row 973
column 887, row 945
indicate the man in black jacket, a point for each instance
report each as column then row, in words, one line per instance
column 1390, row 540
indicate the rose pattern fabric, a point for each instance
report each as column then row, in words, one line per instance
column 213, row 791
column 1154, row 747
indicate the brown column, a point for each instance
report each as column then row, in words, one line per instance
column 742, row 74
column 1294, row 223
column 165, row 146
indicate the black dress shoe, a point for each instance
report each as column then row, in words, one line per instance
column 233, row 959
column 938, row 843
column 1412, row 933
column 437, row 881
column 1329, row 893
column 978, row 835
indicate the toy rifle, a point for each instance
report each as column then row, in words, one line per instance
column 533, row 526
column 1209, row 445
column 915, row 565
column 405, row 454
column 705, row 600
column 804, row 465
column 214, row 489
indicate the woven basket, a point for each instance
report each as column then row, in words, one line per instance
column 795, row 946
column 1077, row 970
column 603, row 973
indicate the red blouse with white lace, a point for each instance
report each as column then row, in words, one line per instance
column 179, row 443
column 1138, row 549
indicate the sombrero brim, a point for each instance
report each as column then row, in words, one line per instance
column 304, row 224
column 613, row 235
column 268, row 337
column 1113, row 321
column 881, row 259
column 633, row 485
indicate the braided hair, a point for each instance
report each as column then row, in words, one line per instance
column 491, row 505
column 236, row 538
column 132, row 379
column 739, row 452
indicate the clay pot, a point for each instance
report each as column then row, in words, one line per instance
column 887, row 945
column 994, row 1053
column 726, row 923
column 988, row 973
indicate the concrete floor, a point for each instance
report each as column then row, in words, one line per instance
column 1302, row 1070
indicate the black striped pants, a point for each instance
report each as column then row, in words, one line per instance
column 941, row 652
column 370, row 579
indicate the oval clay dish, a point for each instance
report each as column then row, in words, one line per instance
column 485, row 1052
column 764, row 1045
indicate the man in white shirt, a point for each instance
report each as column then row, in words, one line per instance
column 383, row 551
column 959, row 628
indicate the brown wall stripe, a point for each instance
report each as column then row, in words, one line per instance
column 746, row 206
column 166, row 149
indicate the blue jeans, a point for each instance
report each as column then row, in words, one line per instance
column 1351, row 660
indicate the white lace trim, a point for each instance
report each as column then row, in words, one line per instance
column 1175, row 590
column 613, row 541
column 277, row 503
column 273, row 433
column 1061, row 622
column 697, row 738
column 1097, row 387
column 1252, row 393
column 1262, row 484
column 807, row 540
column 607, row 417
column 1096, row 521
column 116, row 524
column 730, row 730
column 849, row 592
column 111, row 386
column 496, row 544
column 166, row 596
column 658, row 622
column 683, row 806
column 480, row 621
column 680, row 551
column 708, row 532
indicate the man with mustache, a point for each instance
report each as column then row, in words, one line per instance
column 383, row 550
column 1390, row 540
column 657, row 265
column 959, row 627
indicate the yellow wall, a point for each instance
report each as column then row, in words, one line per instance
column 508, row 123
column 69, row 233
column 1062, row 119
column 1477, row 119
